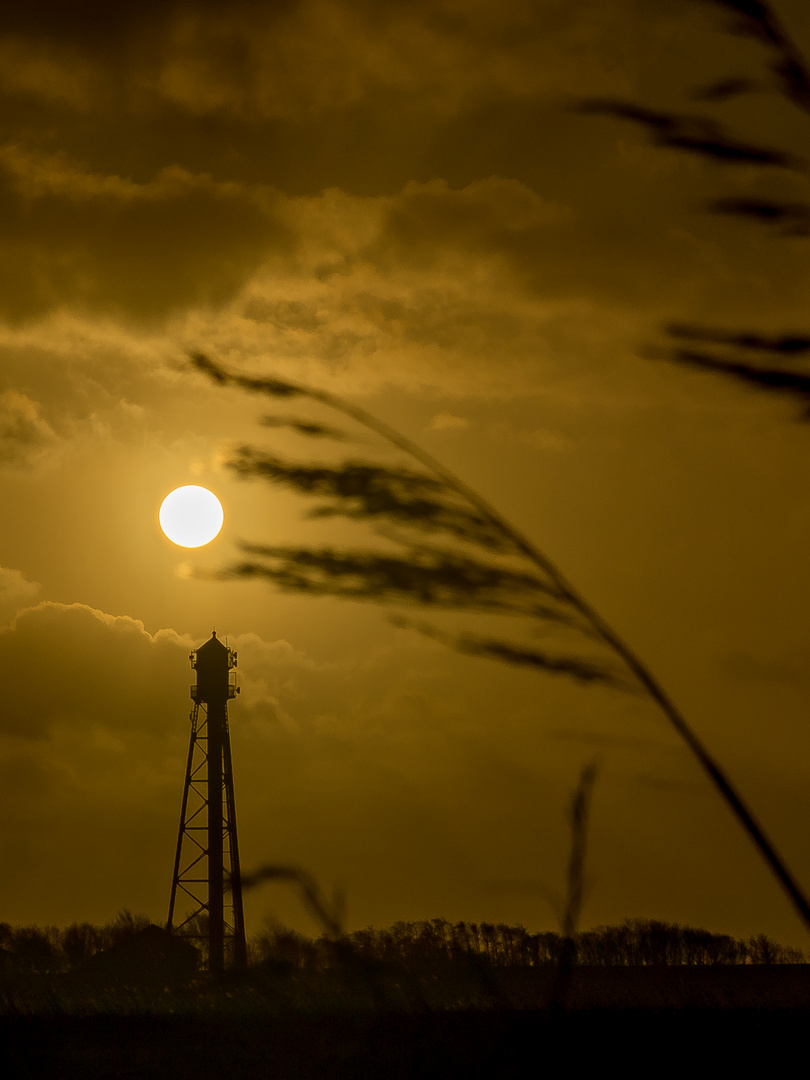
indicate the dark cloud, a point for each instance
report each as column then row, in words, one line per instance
column 71, row 663
column 293, row 58
column 86, row 241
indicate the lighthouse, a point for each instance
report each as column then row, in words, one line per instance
column 206, row 880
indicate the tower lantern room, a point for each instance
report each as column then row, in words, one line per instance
column 213, row 663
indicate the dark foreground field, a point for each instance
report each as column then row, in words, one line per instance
column 465, row 1043
column 638, row 1020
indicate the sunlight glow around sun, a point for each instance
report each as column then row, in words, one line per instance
column 191, row 516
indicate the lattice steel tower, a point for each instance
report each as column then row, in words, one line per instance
column 206, row 865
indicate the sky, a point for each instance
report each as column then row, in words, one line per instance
column 396, row 204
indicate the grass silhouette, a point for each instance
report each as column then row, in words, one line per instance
column 497, row 569
column 771, row 363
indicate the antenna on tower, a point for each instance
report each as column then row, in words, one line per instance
column 206, row 864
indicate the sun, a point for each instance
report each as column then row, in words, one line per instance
column 191, row 516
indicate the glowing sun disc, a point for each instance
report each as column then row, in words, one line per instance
column 191, row 516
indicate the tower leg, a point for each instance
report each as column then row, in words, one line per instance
column 239, row 942
column 216, row 889
column 183, row 812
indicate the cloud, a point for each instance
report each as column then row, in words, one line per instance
column 93, row 742
column 15, row 591
column 322, row 55
column 255, row 60
column 423, row 288
column 25, row 436
column 447, row 422
column 484, row 215
column 100, row 242
column 49, row 71
column 72, row 663
column 540, row 438
column 485, row 289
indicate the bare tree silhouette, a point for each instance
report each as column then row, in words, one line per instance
column 480, row 562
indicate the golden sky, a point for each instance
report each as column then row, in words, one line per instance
column 394, row 203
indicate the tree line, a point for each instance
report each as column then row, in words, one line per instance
column 50, row 950
column 411, row 946
column 634, row 942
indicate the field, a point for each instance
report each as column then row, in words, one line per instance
column 630, row 1017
